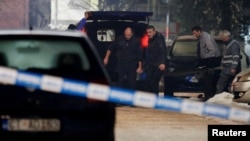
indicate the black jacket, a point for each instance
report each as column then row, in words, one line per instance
column 127, row 51
column 156, row 51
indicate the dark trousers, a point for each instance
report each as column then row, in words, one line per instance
column 153, row 76
column 224, row 83
column 207, row 81
column 127, row 75
column 210, row 62
column 169, row 86
column 207, row 78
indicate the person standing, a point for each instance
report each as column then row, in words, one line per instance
column 129, row 58
column 71, row 27
column 230, row 64
column 155, row 59
column 209, row 56
column 82, row 22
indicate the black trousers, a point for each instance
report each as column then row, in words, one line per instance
column 207, row 83
column 169, row 85
column 208, row 80
column 127, row 75
column 153, row 76
column 210, row 62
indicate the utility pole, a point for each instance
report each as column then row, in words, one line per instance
column 56, row 14
column 167, row 22
column 152, row 6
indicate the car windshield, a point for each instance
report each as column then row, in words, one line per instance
column 188, row 47
column 184, row 48
column 40, row 53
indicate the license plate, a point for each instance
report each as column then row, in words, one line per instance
column 31, row 125
column 192, row 79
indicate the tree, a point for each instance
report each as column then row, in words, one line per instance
column 213, row 15
column 246, row 19
column 118, row 5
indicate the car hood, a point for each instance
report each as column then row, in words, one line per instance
column 243, row 75
column 242, row 79
column 177, row 63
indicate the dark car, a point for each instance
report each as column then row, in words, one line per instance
column 181, row 76
column 103, row 27
column 27, row 113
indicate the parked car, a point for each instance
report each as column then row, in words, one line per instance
column 241, row 87
column 181, row 62
column 103, row 27
column 33, row 114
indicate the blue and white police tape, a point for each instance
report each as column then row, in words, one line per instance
column 119, row 95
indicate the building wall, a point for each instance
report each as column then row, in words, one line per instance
column 14, row 14
column 19, row 14
column 39, row 13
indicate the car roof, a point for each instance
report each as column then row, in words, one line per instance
column 119, row 15
column 47, row 33
column 186, row 37
column 43, row 32
column 191, row 37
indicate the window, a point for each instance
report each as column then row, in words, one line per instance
column 24, row 54
column 185, row 48
column 106, row 35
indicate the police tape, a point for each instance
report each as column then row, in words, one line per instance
column 119, row 95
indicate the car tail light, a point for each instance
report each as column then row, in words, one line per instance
column 144, row 41
column 84, row 30
column 93, row 100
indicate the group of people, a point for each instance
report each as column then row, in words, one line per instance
column 130, row 61
column 210, row 56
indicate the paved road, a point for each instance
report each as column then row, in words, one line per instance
column 143, row 124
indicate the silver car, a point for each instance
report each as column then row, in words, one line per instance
column 241, row 87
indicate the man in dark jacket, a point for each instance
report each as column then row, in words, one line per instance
column 230, row 64
column 129, row 58
column 155, row 59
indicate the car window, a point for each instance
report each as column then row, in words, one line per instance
column 184, row 48
column 188, row 47
column 38, row 53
